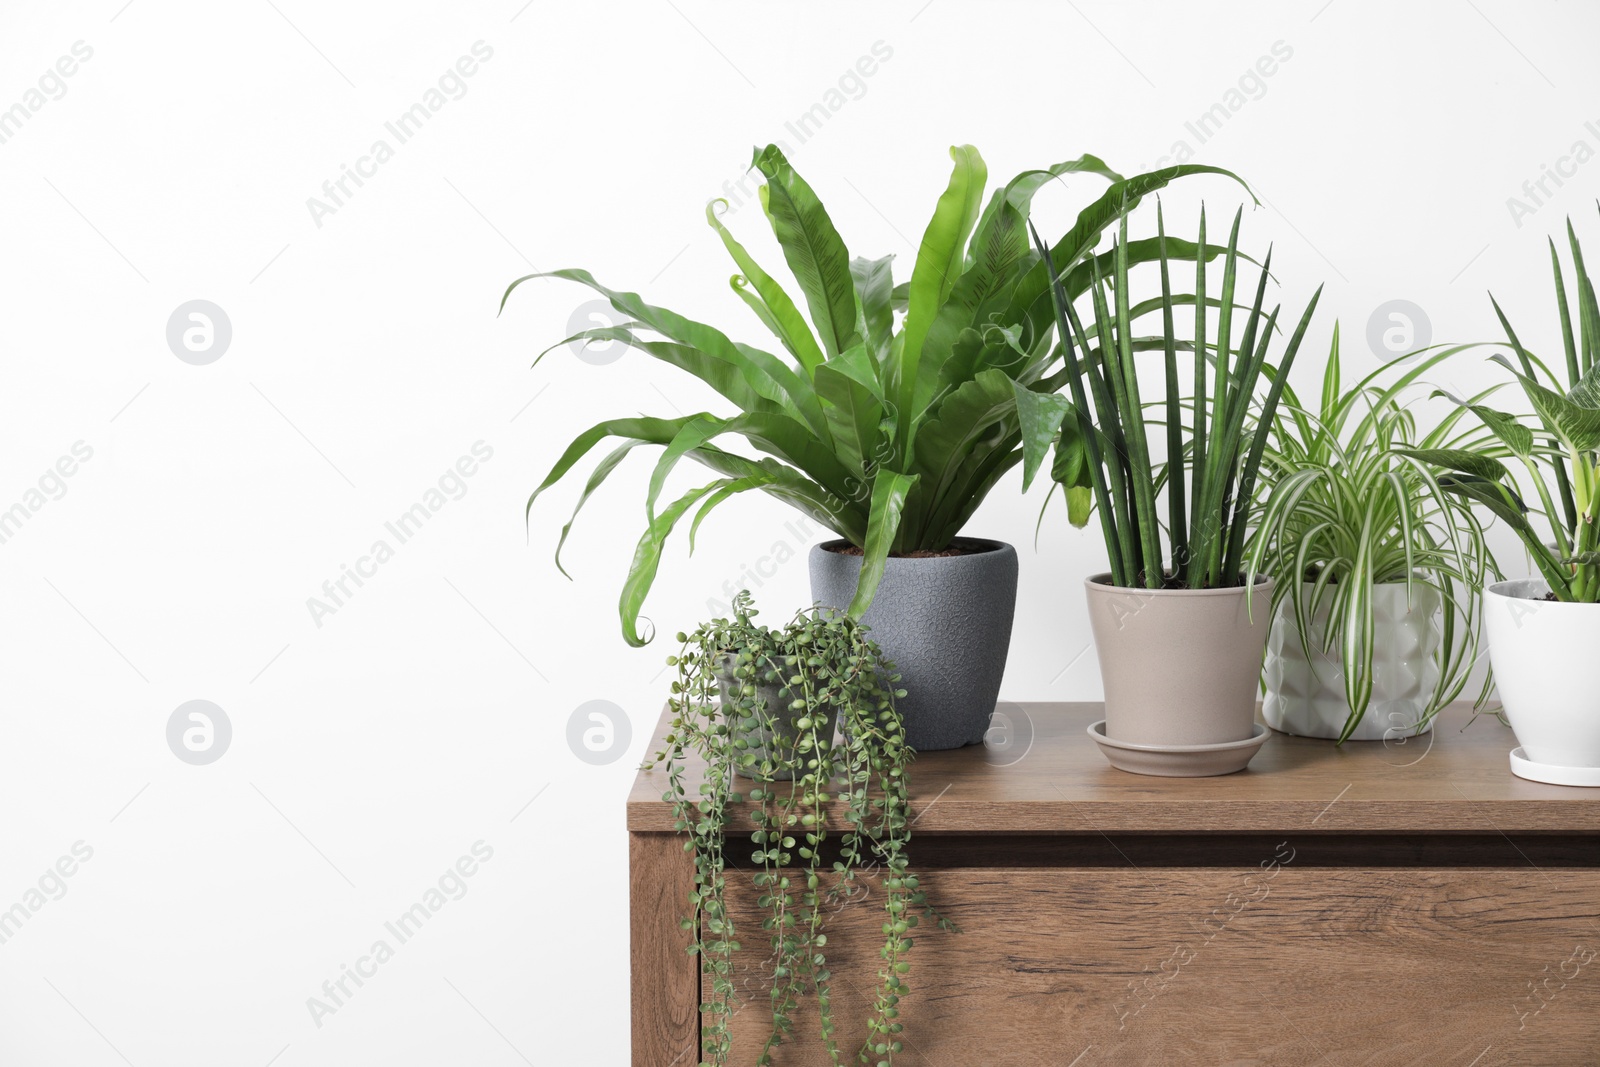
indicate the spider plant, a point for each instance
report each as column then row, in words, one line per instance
column 1564, row 440
column 1210, row 471
column 888, row 429
column 1350, row 506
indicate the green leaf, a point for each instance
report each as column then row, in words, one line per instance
column 622, row 331
column 752, row 300
column 1142, row 474
column 996, row 256
column 766, row 374
column 1506, row 506
column 1578, row 427
column 724, row 377
column 1517, row 437
column 874, row 282
column 948, row 367
column 841, row 515
column 1568, row 346
column 947, row 442
column 1504, row 503
column 779, row 436
column 1147, row 250
column 941, row 254
column 1588, row 310
column 855, row 412
column 1040, row 416
column 1119, row 198
column 855, row 364
column 1459, row 459
column 1586, row 393
column 655, row 431
column 782, row 318
column 646, row 561
column 1071, row 471
column 813, row 249
column 900, row 296
column 992, row 457
column 889, row 490
column 1177, row 511
column 730, row 487
column 1330, row 379
column 1077, row 371
column 1263, row 428
column 1282, row 506
column 939, row 262
column 597, row 477
column 1019, row 191
column 956, row 343
column 1080, row 500
column 1199, row 455
column 696, row 432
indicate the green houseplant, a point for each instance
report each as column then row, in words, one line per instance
column 1179, row 642
column 1369, row 550
column 888, row 419
column 764, row 704
column 1539, row 628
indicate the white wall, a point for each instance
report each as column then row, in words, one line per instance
column 427, row 713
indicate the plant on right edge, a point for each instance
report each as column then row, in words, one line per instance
column 767, row 704
column 1541, row 630
column 1370, row 550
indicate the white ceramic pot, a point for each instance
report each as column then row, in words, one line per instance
column 1305, row 693
column 1543, row 654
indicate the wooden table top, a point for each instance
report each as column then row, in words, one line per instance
column 1045, row 776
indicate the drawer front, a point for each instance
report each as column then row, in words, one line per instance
column 1270, row 965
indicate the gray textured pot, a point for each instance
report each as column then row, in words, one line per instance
column 1180, row 666
column 776, row 738
column 945, row 623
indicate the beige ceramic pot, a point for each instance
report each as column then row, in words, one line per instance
column 1180, row 666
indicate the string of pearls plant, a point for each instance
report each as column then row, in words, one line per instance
column 766, row 704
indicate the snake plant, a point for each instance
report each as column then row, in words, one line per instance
column 892, row 412
column 1564, row 440
column 1103, row 452
column 1349, row 505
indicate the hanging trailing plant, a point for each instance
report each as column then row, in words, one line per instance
column 805, row 713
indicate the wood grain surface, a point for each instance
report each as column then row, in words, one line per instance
column 1426, row 906
column 1040, row 773
column 664, row 993
column 1449, row 968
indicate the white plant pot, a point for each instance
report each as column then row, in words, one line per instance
column 1305, row 693
column 1543, row 654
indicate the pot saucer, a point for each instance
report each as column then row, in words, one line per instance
column 1180, row 761
column 1523, row 767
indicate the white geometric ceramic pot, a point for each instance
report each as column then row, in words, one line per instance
column 1543, row 654
column 1305, row 693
